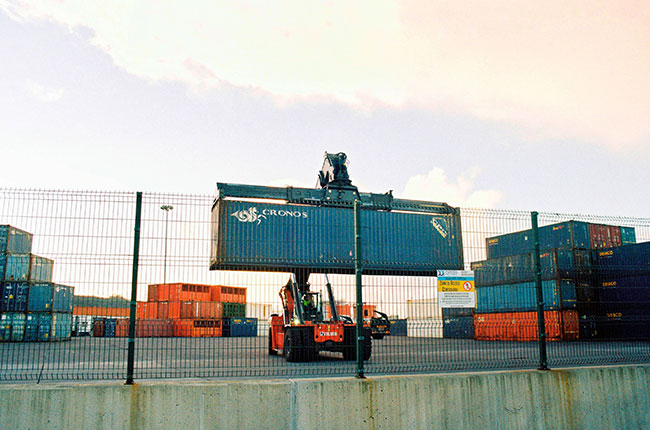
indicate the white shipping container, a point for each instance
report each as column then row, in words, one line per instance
column 424, row 327
column 423, row 308
column 258, row 310
column 263, row 327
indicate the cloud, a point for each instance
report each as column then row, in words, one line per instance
column 43, row 93
column 434, row 186
column 564, row 69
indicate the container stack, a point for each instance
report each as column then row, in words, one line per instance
column 623, row 283
column 32, row 307
column 505, row 282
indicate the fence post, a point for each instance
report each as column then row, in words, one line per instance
column 541, row 328
column 134, row 290
column 357, row 271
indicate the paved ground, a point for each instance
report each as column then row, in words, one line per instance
column 89, row 358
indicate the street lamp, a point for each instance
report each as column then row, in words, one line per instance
column 166, row 208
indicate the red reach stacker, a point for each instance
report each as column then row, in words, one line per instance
column 302, row 331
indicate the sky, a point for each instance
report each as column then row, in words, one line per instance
column 503, row 104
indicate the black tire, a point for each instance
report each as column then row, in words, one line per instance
column 271, row 350
column 350, row 348
column 291, row 345
column 308, row 344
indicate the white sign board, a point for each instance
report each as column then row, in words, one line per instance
column 456, row 289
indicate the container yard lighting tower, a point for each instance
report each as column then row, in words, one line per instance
column 166, row 208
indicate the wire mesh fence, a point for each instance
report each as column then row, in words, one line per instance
column 66, row 269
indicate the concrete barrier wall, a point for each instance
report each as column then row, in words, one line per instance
column 578, row 398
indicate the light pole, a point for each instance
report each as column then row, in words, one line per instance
column 166, row 208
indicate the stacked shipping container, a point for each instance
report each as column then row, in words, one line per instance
column 505, row 287
column 32, row 307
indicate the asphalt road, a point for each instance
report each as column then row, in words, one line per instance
column 88, row 358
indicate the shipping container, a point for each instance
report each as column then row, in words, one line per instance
column 197, row 328
column 14, row 296
column 222, row 293
column 168, row 310
column 109, row 327
column 260, row 311
column 522, row 297
column 154, row 328
column 458, row 327
column 122, row 327
column 202, row 310
column 424, row 327
column 523, row 326
column 626, row 260
column 233, row 310
column 423, row 308
column 63, row 298
column 38, row 326
column 82, row 325
column 569, row 234
column 266, row 236
column 632, row 292
column 398, row 327
column 628, row 235
column 14, row 267
column 146, row 310
column 99, row 327
column 15, row 240
column 554, row 264
column 12, row 326
column 99, row 311
column 61, row 326
column 239, row 327
column 40, row 269
column 40, row 297
column 263, row 327
column 178, row 292
column 621, row 325
column 457, row 312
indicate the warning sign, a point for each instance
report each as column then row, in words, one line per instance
column 456, row 289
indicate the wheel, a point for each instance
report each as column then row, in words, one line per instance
column 271, row 350
column 377, row 336
column 308, row 344
column 291, row 345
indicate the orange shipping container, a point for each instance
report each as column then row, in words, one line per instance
column 122, row 327
column 201, row 310
column 197, row 328
column 225, row 294
column 178, row 292
column 146, row 310
column 522, row 326
column 154, row 328
column 100, row 311
column 169, row 310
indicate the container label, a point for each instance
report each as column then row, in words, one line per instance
column 439, row 225
column 252, row 214
column 456, row 289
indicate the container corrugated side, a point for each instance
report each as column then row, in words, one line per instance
column 626, row 260
column 240, row 327
column 40, row 269
column 63, row 298
column 264, row 236
column 523, row 326
column 522, row 297
column 629, row 292
column 458, row 327
column 61, row 326
column 38, row 327
column 628, row 235
column 15, row 240
column 40, row 297
column 14, row 296
column 619, row 324
column 15, row 267
column 12, row 326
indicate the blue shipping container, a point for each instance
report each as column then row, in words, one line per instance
column 14, row 296
column 621, row 325
column 12, row 326
column 62, row 326
column 628, row 235
column 15, row 240
column 458, row 328
column 63, row 298
column 109, row 327
column 243, row 327
column 40, row 297
column 626, row 260
column 522, row 297
column 398, row 327
column 38, row 326
column 457, row 312
column 554, row 264
column 631, row 292
column 40, row 269
column 263, row 236
column 14, row 267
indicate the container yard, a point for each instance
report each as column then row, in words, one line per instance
column 32, row 307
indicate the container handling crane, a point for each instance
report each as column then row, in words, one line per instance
column 292, row 230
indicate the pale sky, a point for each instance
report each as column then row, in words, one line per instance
column 502, row 104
